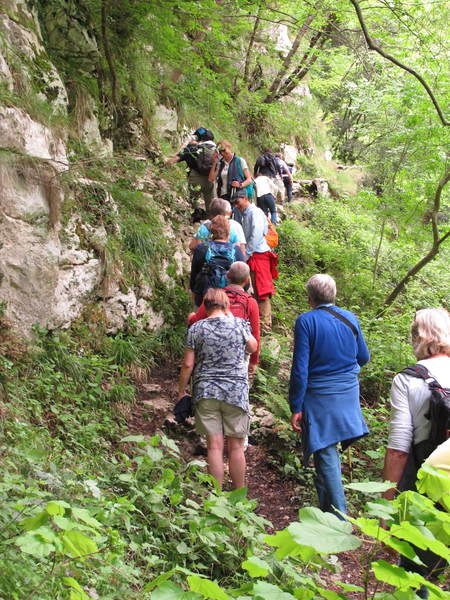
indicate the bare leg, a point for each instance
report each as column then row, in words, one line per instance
column 236, row 461
column 215, row 456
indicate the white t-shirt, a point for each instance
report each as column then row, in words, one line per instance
column 224, row 174
column 410, row 400
column 265, row 185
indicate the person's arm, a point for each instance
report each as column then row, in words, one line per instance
column 194, row 243
column 297, row 421
column 394, row 465
column 239, row 256
column 251, row 345
column 363, row 354
column 172, row 161
column 197, row 264
column 256, row 228
column 214, row 167
column 253, row 317
column 197, row 316
column 248, row 179
column 186, row 371
column 300, row 366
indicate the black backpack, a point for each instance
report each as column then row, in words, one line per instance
column 218, row 261
column 203, row 157
column 439, row 411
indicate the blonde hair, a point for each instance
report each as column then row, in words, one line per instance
column 220, row 228
column 430, row 332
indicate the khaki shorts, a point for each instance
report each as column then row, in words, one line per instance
column 213, row 417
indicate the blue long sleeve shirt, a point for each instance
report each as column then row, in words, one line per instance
column 324, row 346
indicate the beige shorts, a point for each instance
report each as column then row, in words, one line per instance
column 213, row 417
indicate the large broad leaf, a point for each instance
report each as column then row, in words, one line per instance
column 256, row 567
column 57, row 507
column 303, row 594
column 84, row 515
column 270, row 592
column 324, row 532
column 33, row 523
column 435, row 484
column 382, row 509
column 287, row 546
column 171, row 591
column 413, row 535
column 77, row 544
column 371, row 487
column 34, row 544
column 208, row 588
column 396, row 576
column 72, row 583
column 223, row 513
column 237, row 496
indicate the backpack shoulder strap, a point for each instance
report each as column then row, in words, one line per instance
column 341, row 318
column 421, row 372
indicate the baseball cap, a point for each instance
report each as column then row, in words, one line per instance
column 239, row 194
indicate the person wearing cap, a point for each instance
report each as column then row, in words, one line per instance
column 199, row 185
column 261, row 260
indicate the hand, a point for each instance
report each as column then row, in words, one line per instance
column 235, row 184
column 297, row 422
column 251, row 369
column 215, row 157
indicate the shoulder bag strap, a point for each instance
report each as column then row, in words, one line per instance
column 341, row 318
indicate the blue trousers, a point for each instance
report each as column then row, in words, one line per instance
column 328, row 481
column 267, row 204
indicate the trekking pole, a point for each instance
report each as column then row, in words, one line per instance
column 350, row 465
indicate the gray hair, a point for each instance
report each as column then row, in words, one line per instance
column 239, row 273
column 321, row 289
column 430, row 332
column 219, row 207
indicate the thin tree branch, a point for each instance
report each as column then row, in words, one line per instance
column 372, row 46
column 250, row 46
column 108, row 54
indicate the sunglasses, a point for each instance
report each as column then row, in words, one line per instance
column 221, row 149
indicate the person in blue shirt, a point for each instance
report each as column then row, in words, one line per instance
column 329, row 350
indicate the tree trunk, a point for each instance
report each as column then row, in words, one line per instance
column 437, row 241
column 309, row 58
column 287, row 61
column 249, row 49
column 108, row 53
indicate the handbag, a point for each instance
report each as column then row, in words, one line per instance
column 183, row 408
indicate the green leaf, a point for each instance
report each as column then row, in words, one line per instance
column 223, row 513
column 183, row 548
column 349, row 587
column 158, row 580
column 34, row 544
column 413, row 535
column 55, row 508
column 34, row 455
column 303, row 594
column 238, row 496
column 171, row 591
column 155, row 454
column 396, row 576
column 256, row 567
column 63, row 523
column 71, row 582
column 77, row 544
column 287, row 546
column 435, row 484
column 329, row 594
column 126, row 477
column 270, row 592
column 207, row 588
column 371, row 487
column 324, row 532
column 133, row 438
column 32, row 523
column 85, row 516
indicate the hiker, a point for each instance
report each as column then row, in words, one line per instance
column 198, row 182
column 231, row 172
column 266, row 191
column 241, row 305
column 220, row 384
column 219, row 207
column 267, row 164
column 261, row 260
column 329, row 350
column 219, row 254
column 408, row 444
column 286, row 173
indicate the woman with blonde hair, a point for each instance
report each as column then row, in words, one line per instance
column 409, row 428
column 216, row 346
